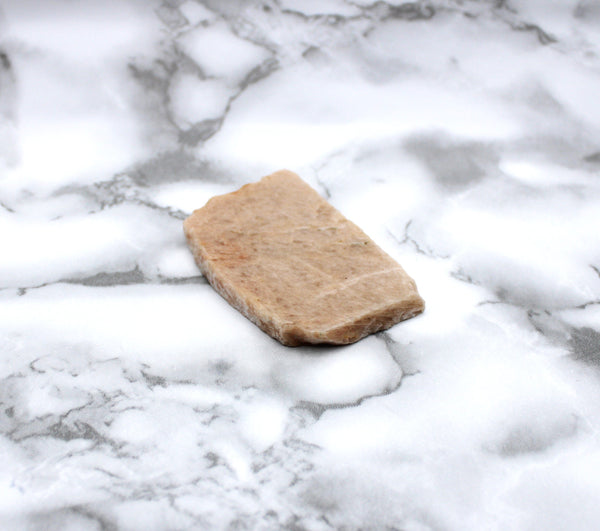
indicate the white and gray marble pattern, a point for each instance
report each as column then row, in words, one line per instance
column 463, row 136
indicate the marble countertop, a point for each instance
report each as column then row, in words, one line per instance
column 462, row 136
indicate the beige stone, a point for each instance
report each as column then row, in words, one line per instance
column 296, row 267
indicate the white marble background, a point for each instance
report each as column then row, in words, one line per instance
column 463, row 136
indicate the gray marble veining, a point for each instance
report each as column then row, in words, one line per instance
column 462, row 136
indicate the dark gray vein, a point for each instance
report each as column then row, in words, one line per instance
column 410, row 240
column 317, row 409
column 119, row 278
column 6, row 207
column 544, row 37
column 206, row 129
column 152, row 380
column 409, row 11
column 509, row 16
column 116, row 278
column 325, row 188
column 200, row 131
column 585, row 305
column 122, row 188
column 380, row 11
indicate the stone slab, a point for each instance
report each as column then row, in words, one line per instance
column 295, row 266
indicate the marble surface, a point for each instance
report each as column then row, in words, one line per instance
column 462, row 136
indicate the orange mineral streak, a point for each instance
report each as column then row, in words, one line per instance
column 295, row 266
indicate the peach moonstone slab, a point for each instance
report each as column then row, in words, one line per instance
column 296, row 267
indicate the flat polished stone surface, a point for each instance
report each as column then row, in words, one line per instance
column 462, row 136
column 296, row 267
